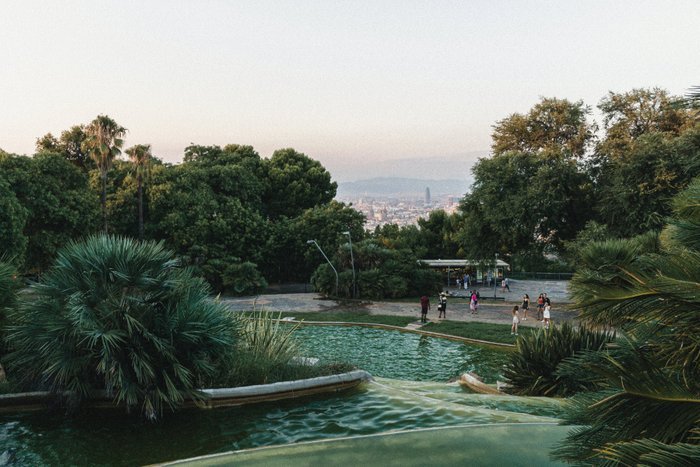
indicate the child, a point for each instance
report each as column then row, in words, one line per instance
column 516, row 320
column 442, row 307
column 547, row 315
column 526, row 306
column 474, row 304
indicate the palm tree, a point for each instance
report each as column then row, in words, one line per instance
column 648, row 408
column 140, row 156
column 103, row 142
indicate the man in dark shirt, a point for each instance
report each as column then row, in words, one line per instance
column 424, row 307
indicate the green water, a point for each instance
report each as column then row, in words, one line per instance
column 108, row 437
column 400, row 355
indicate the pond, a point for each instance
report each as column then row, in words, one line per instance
column 409, row 393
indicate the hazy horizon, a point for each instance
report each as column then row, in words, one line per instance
column 359, row 86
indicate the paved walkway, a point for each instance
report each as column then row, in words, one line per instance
column 490, row 311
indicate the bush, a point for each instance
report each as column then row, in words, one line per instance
column 122, row 316
column 532, row 368
column 243, row 279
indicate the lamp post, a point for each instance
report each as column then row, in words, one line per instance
column 352, row 262
column 329, row 262
column 495, row 276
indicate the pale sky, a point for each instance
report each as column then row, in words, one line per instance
column 348, row 83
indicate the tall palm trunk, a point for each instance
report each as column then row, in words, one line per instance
column 140, row 188
column 103, row 199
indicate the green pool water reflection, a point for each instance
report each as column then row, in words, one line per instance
column 410, row 392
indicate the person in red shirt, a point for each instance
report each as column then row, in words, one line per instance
column 424, row 307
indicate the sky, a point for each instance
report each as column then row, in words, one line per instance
column 353, row 84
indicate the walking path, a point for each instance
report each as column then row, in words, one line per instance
column 490, row 310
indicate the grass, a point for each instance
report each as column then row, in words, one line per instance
column 484, row 331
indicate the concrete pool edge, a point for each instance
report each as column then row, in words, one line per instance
column 220, row 397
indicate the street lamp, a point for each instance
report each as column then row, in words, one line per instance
column 352, row 261
column 495, row 276
column 329, row 262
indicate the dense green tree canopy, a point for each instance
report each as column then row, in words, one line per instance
column 58, row 202
column 70, row 145
column 296, row 183
column 12, row 219
column 553, row 125
column 523, row 204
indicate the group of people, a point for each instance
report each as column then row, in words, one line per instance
column 544, row 306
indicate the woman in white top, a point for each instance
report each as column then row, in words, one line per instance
column 547, row 316
column 516, row 321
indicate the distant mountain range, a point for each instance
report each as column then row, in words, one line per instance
column 401, row 187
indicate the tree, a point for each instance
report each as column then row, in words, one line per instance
column 103, row 143
column 140, row 156
column 648, row 408
column 57, row 200
column 523, row 205
column 627, row 116
column 122, row 316
column 12, row 220
column 69, row 145
column 634, row 188
column 552, row 126
column 438, row 234
column 296, row 183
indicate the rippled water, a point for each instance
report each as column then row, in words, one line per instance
column 407, row 356
column 108, row 437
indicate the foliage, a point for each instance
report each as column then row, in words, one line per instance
column 69, row 146
column 296, row 183
column 12, row 220
column 554, row 126
column 140, row 156
column 629, row 115
column 522, row 203
column 532, row 368
column 380, row 273
column 635, row 191
column 121, row 316
column 243, row 279
column 58, row 202
column 647, row 286
column 490, row 332
column 103, row 142
column 9, row 286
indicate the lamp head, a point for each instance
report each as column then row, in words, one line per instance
column 347, row 232
column 310, row 241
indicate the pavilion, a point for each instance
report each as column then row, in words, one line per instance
column 480, row 271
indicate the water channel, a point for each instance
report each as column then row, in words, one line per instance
column 411, row 391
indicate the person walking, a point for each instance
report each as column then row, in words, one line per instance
column 442, row 307
column 525, row 306
column 516, row 321
column 540, row 307
column 547, row 316
column 424, row 307
column 505, row 281
column 474, row 304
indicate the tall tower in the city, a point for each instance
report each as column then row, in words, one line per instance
column 427, row 195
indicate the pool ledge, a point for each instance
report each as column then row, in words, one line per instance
column 222, row 397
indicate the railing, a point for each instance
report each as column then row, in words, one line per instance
column 542, row 276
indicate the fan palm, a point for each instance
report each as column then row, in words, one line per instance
column 103, row 141
column 647, row 287
column 122, row 316
column 140, row 156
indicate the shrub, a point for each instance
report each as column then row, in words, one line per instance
column 243, row 279
column 122, row 316
column 532, row 368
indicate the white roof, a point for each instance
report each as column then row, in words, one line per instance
column 460, row 263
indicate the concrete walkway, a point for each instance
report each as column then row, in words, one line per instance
column 490, row 311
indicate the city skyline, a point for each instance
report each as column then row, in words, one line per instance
column 359, row 86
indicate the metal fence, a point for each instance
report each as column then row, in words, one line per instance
column 542, row 276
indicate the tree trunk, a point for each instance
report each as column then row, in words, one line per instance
column 104, row 199
column 140, row 185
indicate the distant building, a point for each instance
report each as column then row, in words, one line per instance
column 427, row 196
